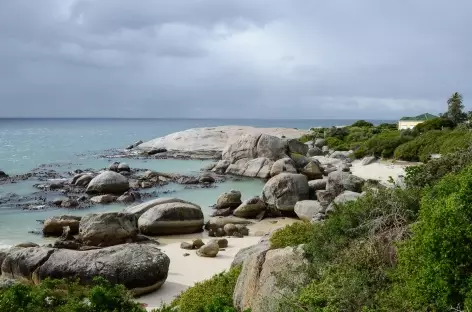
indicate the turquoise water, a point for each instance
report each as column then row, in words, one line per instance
column 69, row 144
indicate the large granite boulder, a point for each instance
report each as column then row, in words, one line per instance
column 300, row 160
column 283, row 165
column 250, row 208
column 209, row 250
column 261, row 247
column 140, row 268
column 283, row 191
column 343, row 198
column 108, row 182
column 138, row 210
column 3, row 255
column 108, row 229
column 368, row 160
column 320, row 143
column 103, row 199
column 54, row 226
column 312, row 171
column 317, row 185
column 307, row 209
column 253, row 154
column 82, row 180
column 339, row 182
column 314, row 151
column 254, row 168
column 171, row 218
column 295, row 146
column 231, row 199
column 342, row 155
column 267, row 277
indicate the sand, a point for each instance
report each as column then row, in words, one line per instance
column 381, row 171
column 184, row 272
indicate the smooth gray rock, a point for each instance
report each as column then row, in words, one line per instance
column 283, row 191
column 215, row 223
column 343, row 155
column 230, row 229
column 268, row 277
column 254, row 168
column 231, row 199
column 3, row 255
column 69, row 203
column 314, row 151
column 283, row 165
column 138, row 210
column 307, row 209
column 123, row 167
column 261, row 247
column 339, row 182
column 171, row 218
column 295, row 146
column 250, row 208
column 312, row 171
column 221, row 166
column 221, row 242
column 222, row 212
column 300, row 160
column 103, row 199
column 20, row 263
column 324, row 197
column 108, row 182
column 54, row 226
column 83, row 180
column 209, row 250
column 317, row 185
column 320, row 143
column 140, row 268
column 342, row 198
column 108, row 229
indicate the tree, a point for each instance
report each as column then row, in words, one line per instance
column 455, row 108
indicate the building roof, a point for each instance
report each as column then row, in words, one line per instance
column 422, row 117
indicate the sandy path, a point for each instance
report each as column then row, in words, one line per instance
column 381, row 171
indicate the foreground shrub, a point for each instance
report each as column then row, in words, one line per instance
column 435, row 265
column 435, row 124
column 385, row 143
column 292, row 235
column 66, row 296
column 212, row 295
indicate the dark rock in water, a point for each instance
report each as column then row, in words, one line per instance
column 157, row 151
column 231, row 199
column 187, row 180
column 3, row 174
column 57, row 201
column 114, row 166
column 56, row 186
column 82, row 198
column 206, row 178
column 125, row 173
column 78, row 171
column 136, row 144
column 123, row 167
column 55, row 226
column 35, row 232
column 108, row 182
column 27, row 245
column 69, row 203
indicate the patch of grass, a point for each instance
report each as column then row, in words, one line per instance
column 292, row 235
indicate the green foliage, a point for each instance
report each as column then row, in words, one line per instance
column 362, row 123
column 333, row 142
column 385, row 143
column 455, row 108
column 66, row 296
column 292, row 235
column 433, row 142
column 306, row 138
column 212, row 295
column 434, row 170
column 435, row 124
column 435, row 264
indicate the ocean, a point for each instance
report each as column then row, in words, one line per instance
column 69, row 144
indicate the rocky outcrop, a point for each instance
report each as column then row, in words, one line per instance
column 295, row 146
column 171, row 218
column 320, row 143
column 129, row 197
column 250, row 208
column 54, row 226
column 108, row 229
column 307, row 209
column 140, row 268
column 283, row 165
column 283, row 191
column 312, row 171
column 219, row 222
column 221, row 166
column 261, row 247
column 339, row 182
column 324, row 197
column 231, row 199
column 108, row 182
column 368, row 160
column 82, row 179
column 315, row 151
column 254, row 168
column 317, row 185
column 267, row 277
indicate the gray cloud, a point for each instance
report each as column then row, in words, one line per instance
column 232, row 59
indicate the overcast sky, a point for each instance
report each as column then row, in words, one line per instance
column 233, row 58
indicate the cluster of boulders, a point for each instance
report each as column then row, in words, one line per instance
column 209, row 250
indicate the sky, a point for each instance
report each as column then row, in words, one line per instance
column 312, row 59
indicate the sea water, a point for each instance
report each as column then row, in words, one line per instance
column 69, row 144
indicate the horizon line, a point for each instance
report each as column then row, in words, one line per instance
column 184, row 118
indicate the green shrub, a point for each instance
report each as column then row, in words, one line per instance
column 435, row 124
column 212, row 295
column 385, row 143
column 435, row 265
column 434, row 170
column 362, row 123
column 67, row 296
column 333, row 142
column 306, row 138
column 433, row 142
column 292, row 235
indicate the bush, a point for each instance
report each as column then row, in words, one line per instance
column 292, row 235
column 435, row 124
column 66, row 296
column 362, row 123
column 215, row 294
column 435, row 264
column 385, row 143
column 434, row 170
column 433, row 142
column 334, row 142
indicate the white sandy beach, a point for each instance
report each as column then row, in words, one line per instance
column 381, row 171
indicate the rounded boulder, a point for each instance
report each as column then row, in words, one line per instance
column 284, row 190
column 108, row 182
